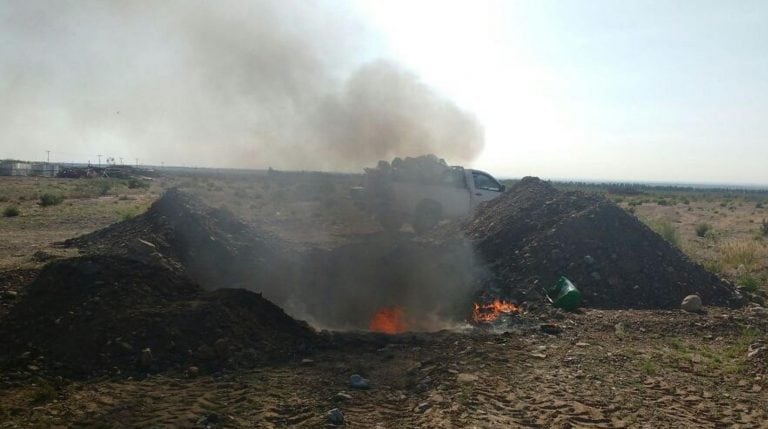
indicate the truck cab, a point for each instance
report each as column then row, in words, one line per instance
column 482, row 187
column 454, row 193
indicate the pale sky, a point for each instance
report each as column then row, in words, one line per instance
column 673, row 91
column 619, row 90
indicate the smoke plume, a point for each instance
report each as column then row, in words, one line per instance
column 288, row 84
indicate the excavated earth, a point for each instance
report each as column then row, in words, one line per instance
column 165, row 289
column 210, row 245
column 160, row 291
column 337, row 288
column 151, row 327
column 533, row 234
column 107, row 315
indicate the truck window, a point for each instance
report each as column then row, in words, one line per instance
column 454, row 178
column 486, row 182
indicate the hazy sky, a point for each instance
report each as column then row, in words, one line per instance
column 617, row 90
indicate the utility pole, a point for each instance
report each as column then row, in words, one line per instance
column 137, row 162
column 99, row 160
column 48, row 156
column 121, row 161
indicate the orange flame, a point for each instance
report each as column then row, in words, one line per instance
column 487, row 313
column 388, row 320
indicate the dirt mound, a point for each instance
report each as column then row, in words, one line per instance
column 339, row 288
column 91, row 315
column 534, row 234
column 210, row 245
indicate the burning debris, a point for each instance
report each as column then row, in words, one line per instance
column 489, row 313
column 388, row 320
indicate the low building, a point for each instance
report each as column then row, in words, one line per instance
column 15, row 168
column 44, row 169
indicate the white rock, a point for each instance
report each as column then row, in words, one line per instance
column 691, row 303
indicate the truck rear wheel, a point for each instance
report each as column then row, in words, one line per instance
column 426, row 216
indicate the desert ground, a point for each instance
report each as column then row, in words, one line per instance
column 542, row 368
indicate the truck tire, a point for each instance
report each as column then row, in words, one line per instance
column 426, row 216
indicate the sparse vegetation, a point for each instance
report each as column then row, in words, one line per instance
column 128, row 213
column 104, row 186
column 11, row 211
column 764, row 228
column 702, row 229
column 649, row 367
column 749, row 283
column 47, row 199
column 714, row 266
column 668, row 232
column 137, row 184
column 43, row 392
column 741, row 252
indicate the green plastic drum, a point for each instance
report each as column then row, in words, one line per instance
column 564, row 295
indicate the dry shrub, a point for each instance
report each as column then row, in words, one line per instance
column 11, row 211
column 742, row 252
column 702, row 229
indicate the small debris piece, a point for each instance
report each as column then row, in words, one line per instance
column 550, row 328
column 467, row 378
column 341, row 396
column 146, row 357
column 335, row 417
column 358, row 382
column 10, row 294
column 618, row 330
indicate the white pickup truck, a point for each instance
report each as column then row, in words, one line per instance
column 423, row 203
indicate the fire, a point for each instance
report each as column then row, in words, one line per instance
column 487, row 313
column 388, row 320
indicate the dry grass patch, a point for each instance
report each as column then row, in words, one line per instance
column 742, row 252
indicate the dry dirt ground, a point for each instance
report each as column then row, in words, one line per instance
column 660, row 369
column 87, row 206
column 604, row 369
column 733, row 244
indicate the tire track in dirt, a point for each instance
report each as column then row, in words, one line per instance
column 579, row 379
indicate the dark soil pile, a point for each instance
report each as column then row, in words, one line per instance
column 533, row 234
column 98, row 315
column 210, row 245
column 10, row 293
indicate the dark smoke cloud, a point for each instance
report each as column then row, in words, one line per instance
column 229, row 83
column 384, row 111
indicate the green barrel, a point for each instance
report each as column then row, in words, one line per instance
column 564, row 295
